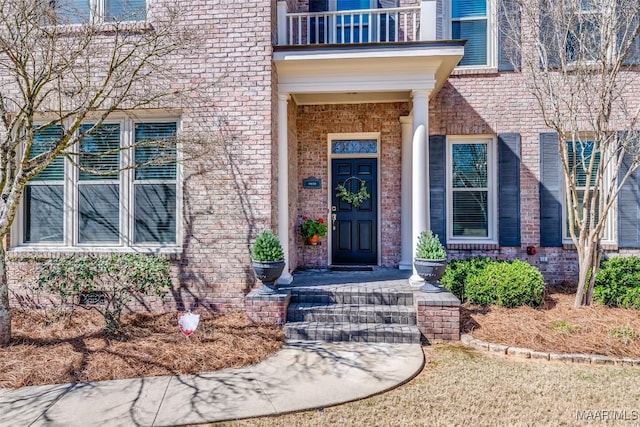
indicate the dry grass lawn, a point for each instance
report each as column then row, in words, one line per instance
column 461, row 387
column 75, row 349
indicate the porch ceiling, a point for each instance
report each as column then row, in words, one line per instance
column 335, row 74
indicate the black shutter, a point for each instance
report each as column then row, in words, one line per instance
column 509, row 36
column 629, row 207
column 550, row 191
column 437, row 185
column 509, row 189
column 624, row 34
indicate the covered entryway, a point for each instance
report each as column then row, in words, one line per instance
column 328, row 89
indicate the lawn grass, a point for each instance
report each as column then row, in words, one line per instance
column 460, row 386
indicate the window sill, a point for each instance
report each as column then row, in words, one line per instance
column 464, row 71
column 473, row 246
column 108, row 27
column 607, row 246
column 29, row 253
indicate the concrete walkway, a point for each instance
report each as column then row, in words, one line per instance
column 303, row 375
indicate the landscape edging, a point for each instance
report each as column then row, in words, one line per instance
column 594, row 359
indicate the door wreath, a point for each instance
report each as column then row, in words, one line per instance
column 355, row 199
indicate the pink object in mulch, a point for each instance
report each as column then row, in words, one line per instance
column 188, row 322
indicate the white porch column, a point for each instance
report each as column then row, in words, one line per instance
column 283, row 184
column 406, row 262
column 419, row 179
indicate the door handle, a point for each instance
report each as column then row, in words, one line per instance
column 333, row 221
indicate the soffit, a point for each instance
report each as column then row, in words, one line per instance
column 364, row 73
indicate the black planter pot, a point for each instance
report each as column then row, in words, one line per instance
column 268, row 273
column 431, row 270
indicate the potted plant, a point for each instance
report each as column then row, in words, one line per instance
column 312, row 230
column 267, row 260
column 430, row 261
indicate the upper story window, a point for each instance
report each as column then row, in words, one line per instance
column 584, row 38
column 471, row 189
column 110, row 195
column 81, row 11
column 349, row 24
column 471, row 21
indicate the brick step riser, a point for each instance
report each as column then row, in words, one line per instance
column 350, row 298
column 344, row 336
column 318, row 315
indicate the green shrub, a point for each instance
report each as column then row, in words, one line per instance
column 267, row 247
column 429, row 246
column 617, row 283
column 458, row 271
column 507, row 284
column 116, row 278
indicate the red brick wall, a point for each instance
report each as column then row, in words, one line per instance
column 313, row 125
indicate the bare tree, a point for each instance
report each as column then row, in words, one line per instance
column 574, row 56
column 56, row 75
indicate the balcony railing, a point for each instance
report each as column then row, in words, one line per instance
column 400, row 24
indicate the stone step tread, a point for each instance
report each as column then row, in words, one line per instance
column 319, row 312
column 350, row 295
column 365, row 332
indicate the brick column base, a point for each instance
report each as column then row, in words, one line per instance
column 438, row 315
column 267, row 308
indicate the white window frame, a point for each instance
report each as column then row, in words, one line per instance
column 492, row 188
column 97, row 12
column 492, row 33
column 608, row 236
column 126, row 181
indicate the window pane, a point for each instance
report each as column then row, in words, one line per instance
column 155, row 213
column 475, row 32
column 99, row 214
column 125, row 10
column 164, row 134
column 469, row 165
column 580, row 205
column 468, row 8
column 44, row 216
column 470, row 213
column 353, row 4
column 43, row 141
column 99, row 152
column 72, row 11
column 579, row 161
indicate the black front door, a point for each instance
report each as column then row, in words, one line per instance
column 355, row 229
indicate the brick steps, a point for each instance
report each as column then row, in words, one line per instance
column 353, row 312
column 358, row 332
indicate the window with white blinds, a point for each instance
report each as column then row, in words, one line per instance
column 44, row 195
column 82, row 11
column 471, row 190
column 155, row 184
column 470, row 21
column 112, row 194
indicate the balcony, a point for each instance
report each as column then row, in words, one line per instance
column 351, row 27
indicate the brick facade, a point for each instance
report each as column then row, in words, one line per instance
column 313, row 124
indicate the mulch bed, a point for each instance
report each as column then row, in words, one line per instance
column 557, row 326
column 50, row 350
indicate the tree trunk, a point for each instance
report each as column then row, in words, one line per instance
column 5, row 314
column 588, row 262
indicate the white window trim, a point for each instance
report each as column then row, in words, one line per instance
column 492, row 35
column 492, row 186
column 97, row 13
column 608, row 235
column 125, row 180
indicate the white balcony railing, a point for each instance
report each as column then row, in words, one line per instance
column 400, row 24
